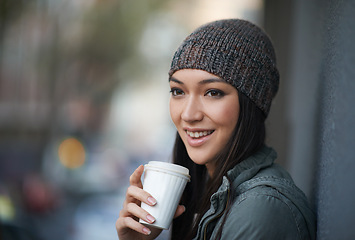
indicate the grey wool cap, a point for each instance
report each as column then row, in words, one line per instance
column 238, row 52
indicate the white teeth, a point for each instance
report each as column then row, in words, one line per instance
column 198, row 134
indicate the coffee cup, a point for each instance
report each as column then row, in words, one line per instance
column 166, row 183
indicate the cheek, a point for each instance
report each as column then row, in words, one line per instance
column 225, row 115
column 174, row 112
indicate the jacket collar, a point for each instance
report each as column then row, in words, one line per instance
column 243, row 171
column 237, row 175
column 248, row 168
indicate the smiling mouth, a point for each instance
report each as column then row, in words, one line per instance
column 199, row 134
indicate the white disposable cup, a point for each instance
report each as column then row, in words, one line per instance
column 166, row 183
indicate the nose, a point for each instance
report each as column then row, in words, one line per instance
column 192, row 110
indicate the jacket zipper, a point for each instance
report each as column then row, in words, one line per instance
column 219, row 215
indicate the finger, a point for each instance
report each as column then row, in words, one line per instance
column 133, row 209
column 179, row 210
column 135, row 178
column 122, row 224
column 137, row 195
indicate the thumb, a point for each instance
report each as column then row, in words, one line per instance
column 179, row 210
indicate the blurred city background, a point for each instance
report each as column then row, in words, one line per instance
column 83, row 102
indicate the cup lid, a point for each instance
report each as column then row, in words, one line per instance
column 169, row 166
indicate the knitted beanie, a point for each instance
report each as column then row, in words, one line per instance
column 236, row 51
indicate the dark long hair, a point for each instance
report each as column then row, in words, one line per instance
column 247, row 138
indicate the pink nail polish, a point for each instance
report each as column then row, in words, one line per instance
column 146, row 231
column 152, row 201
column 150, row 218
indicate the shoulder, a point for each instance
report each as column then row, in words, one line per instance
column 261, row 213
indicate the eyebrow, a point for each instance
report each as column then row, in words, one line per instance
column 172, row 79
column 205, row 81
column 212, row 80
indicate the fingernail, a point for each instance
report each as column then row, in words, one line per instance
column 146, row 231
column 150, row 218
column 152, row 201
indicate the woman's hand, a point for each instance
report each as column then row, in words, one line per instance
column 127, row 225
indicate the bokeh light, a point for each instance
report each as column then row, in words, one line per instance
column 7, row 211
column 71, row 153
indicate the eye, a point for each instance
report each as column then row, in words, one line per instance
column 214, row 93
column 176, row 92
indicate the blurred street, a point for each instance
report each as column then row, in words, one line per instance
column 83, row 102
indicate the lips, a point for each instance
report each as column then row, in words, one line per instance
column 197, row 138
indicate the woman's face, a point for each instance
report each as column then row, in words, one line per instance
column 205, row 111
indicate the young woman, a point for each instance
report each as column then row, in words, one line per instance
column 223, row 78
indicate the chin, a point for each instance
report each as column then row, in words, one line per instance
column 196, row 158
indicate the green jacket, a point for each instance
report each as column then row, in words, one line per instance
column 266, row 204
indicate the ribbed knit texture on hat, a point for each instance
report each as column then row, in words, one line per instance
column 238, row 52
